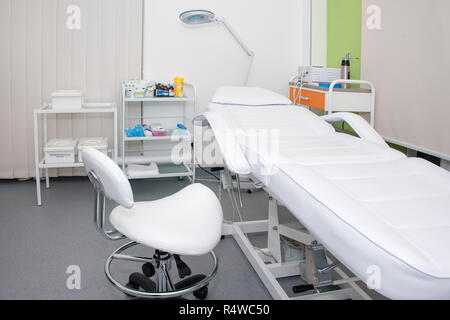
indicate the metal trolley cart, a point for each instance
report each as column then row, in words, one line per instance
column 96, row 108
column 146, row 150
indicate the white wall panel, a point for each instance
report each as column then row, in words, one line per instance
column 319, row 32
column 19, row 150
column 6, row 158
column 407, row 60
column 209, row 57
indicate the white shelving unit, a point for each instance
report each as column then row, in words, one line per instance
column 167, row 169
column 332, row 99
column 43, row 113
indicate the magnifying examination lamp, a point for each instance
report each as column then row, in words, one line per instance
column 196, row 17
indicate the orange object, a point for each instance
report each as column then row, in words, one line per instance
column 314, row 99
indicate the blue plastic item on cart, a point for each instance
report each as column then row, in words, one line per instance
column 182, row 127
column 135, row 132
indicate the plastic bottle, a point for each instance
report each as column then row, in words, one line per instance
column 179, row 87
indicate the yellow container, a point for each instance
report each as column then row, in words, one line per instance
column 179, row 87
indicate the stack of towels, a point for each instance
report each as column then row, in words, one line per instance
column 143, row 171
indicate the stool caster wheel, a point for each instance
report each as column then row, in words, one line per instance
column 148, row 269
column 131, row 286
column 183, row 269
column 202, row 293
column 249, row 191
column 139, row 280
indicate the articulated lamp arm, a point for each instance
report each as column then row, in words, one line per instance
column 248, row 51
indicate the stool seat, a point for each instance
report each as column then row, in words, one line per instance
column 186, row 223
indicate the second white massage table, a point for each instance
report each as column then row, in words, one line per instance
column 372, row 207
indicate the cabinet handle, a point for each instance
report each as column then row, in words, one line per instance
column 304, row 98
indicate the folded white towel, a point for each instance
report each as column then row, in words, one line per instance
column 140, row 171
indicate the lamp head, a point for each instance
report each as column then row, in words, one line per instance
column 197, row 17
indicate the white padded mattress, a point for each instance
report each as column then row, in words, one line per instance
column 372, row 207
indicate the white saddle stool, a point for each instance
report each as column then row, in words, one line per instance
column 187, row 223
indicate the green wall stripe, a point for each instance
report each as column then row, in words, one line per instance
column 344, row 33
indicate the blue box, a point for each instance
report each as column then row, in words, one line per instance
column 327, row 85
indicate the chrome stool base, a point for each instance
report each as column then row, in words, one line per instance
column 163, row 288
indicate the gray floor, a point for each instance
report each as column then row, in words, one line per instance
column 38, row 244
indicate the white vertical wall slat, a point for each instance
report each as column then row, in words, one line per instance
column 49, row 53
column 6, row 160
column 78, row 75
column 19, row 151
column 93, row 49
column 107, row 58
column 63, row 70
column 39, row 55
column 33, row 83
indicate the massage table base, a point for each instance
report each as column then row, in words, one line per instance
column 270, row 269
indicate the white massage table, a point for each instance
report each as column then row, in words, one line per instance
column 368, row 204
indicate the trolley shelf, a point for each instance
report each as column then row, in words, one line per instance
column 87, row 108
column 43, row 165
column 162, row 99
column 170, row 136
column 167, row 170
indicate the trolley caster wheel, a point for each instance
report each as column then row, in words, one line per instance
column 148, row 269
column 180, row 179
column 139, row 280
column 202, row 293
column 249, row 191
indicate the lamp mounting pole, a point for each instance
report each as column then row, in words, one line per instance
column 250, row 53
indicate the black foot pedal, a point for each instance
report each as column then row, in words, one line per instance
column 303, row 288
column 183, row 269
column 139, row 280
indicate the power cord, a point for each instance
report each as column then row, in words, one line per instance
column 299, row 88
